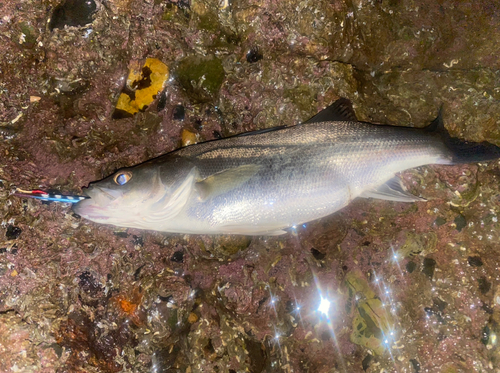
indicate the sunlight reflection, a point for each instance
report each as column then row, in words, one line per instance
column 324, row 306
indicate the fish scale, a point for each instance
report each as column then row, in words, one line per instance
column 318, row 180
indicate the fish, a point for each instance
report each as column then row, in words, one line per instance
column 264, row 182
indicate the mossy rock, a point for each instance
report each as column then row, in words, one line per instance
column 230, row 245
column 372, row 324
column 224, row 246
column 201, row 77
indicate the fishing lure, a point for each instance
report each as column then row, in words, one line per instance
column 49, row 197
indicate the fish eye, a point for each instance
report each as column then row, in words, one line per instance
column 122, row 178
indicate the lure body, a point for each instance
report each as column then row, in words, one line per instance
column 49, row 197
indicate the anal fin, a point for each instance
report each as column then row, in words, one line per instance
column 392, row 190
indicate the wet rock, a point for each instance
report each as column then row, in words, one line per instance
column 201, row 77
column 475, row 261
column 318, row 255
column 254, row 55
column 72, row 13
column 90, row 289
column 416, row 365
column 179, row 112
column 164, row 358
column 366, row 362
column 162, row 102
column 484, row 285
column 92, row 342
column 224, row 246
column 415, row 244
column 398, row 61
column 372, row 322
column 460, row 222
column 18, row 342
column 411, row 266
column 89, row 284
column 485, row 337
column 8, row 132
column 440, row 221
column 198, row 124
column 12, row 232
column 137, row 273
column 435, row 312
column 177, row 257
column 138, row 240
column 257, row 354
column 429, row 265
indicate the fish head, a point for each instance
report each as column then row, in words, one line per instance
column 130, row 196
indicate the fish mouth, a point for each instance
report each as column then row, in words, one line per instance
column 101, row 206
column 101, row 193
column 89, row 210
column 95, row 207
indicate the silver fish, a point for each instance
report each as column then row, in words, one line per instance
column 266, row 181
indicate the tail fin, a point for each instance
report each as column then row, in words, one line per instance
column 463, row 151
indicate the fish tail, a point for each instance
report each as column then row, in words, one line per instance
column 463, row 151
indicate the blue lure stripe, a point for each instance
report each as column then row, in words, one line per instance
column 43, row 196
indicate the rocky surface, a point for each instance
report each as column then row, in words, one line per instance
column 411, row 287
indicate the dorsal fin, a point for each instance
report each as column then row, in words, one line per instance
column 340, row 111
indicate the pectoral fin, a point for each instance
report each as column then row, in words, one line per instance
column 392, row 190
column 225, row 181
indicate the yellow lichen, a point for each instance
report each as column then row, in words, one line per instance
column 144, row 82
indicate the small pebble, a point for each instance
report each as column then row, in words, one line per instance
column 192, row 318
column 179, row 113
column 254, row 55
column 475, row 261
column 72, row 13
column 12, row 232
column 188, row 138
column 429, row 267
column 178, row 257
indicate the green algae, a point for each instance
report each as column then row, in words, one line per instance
column 201, row 77
column 222, row 247
column 28, row 37
column 416, row 244
column 372, row 322
column 302, row 96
